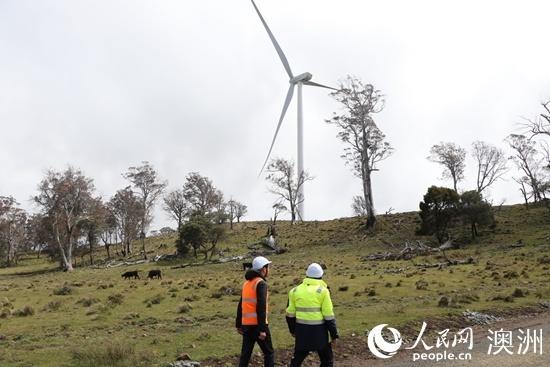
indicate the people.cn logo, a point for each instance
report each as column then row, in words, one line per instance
column 379, row 346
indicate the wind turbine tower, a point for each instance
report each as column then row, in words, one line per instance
column 299, row 81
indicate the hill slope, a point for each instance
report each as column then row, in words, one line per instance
column 50, row 318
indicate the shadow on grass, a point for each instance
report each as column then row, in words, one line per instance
column 34, row 272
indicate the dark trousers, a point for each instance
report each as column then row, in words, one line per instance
column 250, row 337
column 325, row 355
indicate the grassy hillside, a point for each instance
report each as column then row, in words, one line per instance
column 49, row 318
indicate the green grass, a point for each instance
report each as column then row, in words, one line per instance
column 142, row 320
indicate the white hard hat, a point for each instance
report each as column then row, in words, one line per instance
column 259, row 262
column 314, row 270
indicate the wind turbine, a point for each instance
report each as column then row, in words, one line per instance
column 298, row 80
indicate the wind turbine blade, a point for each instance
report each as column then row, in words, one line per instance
column 317, row 85
column 277, row 47
column 285, row 107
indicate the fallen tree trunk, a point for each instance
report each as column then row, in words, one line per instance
column 410, row 251
column 449, row 262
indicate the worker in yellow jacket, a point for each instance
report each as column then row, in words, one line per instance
column 310, row 318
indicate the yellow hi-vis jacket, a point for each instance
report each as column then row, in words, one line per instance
column 310, row 303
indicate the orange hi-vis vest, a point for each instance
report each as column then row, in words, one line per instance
column 249, row 301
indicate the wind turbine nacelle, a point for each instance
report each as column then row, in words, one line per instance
column 301, row 78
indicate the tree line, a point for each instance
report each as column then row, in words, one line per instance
column 530, row 154
column 71, row 216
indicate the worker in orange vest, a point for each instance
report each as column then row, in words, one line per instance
column 251, row 321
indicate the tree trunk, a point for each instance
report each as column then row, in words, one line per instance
column 91, row 245
column 66, row 257
column 142, row 237
column 367, row 185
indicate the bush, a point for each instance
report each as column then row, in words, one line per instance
column 25, row 311
column 154, row 300
column 115, row 299
column 87, row 302
column 52, row 306
column 184, row 308
column 63, row 291
column 5, row 313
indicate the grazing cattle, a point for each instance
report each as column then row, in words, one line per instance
column 154, row 274
column 247, row 266
column 131, row 274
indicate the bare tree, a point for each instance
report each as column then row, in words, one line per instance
column 127, row 208
column 108, row 232
column 359, row 206
column 176, row 206
column 278, row 208
column 524, row 189
column 452, row 158
column 365, row 142
column 282, row 178
column 526, row 159
column 541, row 124
column 231, row 212
column 235, row 211
column 491, row 164
column 149, row 188
column 65, row 198
column 546, row 154
column 13, row 222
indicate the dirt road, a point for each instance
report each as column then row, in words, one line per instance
column 353, row 352
column 480, row 356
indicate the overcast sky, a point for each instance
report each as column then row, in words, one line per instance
column 197, row 86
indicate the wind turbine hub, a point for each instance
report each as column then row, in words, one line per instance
column 301, row 78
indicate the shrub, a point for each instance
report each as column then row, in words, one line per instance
column 63, row 291
column 5, row 313
column 154, row 300
column 184, row 308
column 87, row 302
column 52, row 306
column 115, row 299
column 25, row 311
column 518, row 292
column 421, row 285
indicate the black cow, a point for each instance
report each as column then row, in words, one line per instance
column 247, row 266
column 131, row 274
column 154, row 274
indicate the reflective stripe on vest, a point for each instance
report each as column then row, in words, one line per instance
column 249, row 302
column 307, row 299
column 310, row 322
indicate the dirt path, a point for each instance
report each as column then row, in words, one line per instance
column 480, row 357
column 353, row 351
